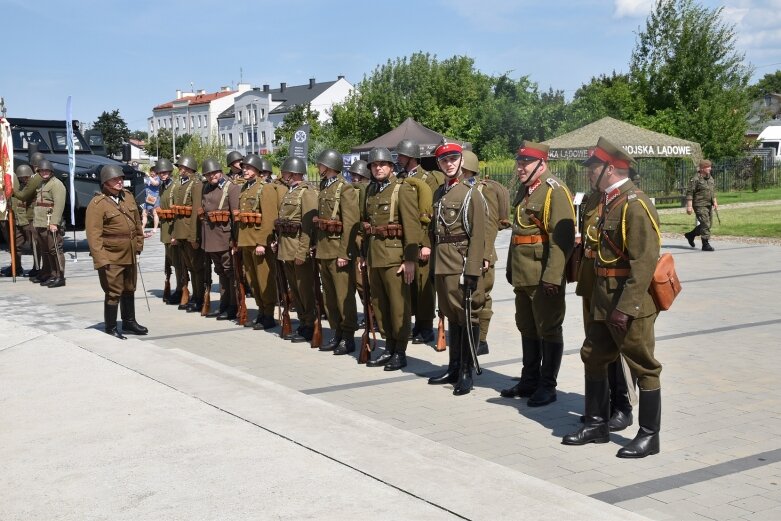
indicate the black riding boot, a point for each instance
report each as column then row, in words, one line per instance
column 110, row 319
column 706, row 245
column 464, row 384
column 398, row 359
column 127, row 304
column 595, row 429
column 646, row 442
column 551, row 361
column 620, row 408
column 385, row 357
column 450, row 376
column 530, row 374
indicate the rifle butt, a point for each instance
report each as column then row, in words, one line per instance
column 441, row 340
column 185, row 295
column 287, row 327
column 167, row 290
column 241, row 316
column 317, row 335
column 207, row 303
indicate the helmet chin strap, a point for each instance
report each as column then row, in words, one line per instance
column 601, row 174
column 531, row 176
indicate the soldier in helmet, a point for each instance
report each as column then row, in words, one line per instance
column 258, row 209
column 25, row 194
column 461, row 250
column 233, row 160
column 24, row 215
column 115, row 239
column 220, row 205
column 543, row 237
column 173, row 261
column 422, row 291
column 47, row 193
column 186, row 201
column 393, row 233
column 361, row 177
column 295, row 234
column 336, row 226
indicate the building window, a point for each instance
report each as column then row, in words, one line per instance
column 263, row 114
column 238, row 116
column 230, row 140
column 262, row 137
column 241, row 139
column 222, row 139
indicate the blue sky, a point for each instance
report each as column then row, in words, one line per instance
column 133, row 55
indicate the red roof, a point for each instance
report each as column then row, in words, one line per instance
column 198, row 99
column 136, row 142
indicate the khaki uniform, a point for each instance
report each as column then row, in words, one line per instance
column 338, row 203
column 497, row 199
column 623, row 284
column 295, row 233
column 543, row 237
column 359, row 242
column 48, row 207
column 115, row 237
column 260, row 198
column 173, row 260
column 702, row 192
column 219, row 203
column 19, row 210
column 389, row 294
column 186, row 232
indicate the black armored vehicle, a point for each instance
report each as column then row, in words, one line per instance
column 49, row 137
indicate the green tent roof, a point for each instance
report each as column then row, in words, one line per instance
column 637, row 141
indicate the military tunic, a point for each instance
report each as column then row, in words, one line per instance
column 338, row 201
column 295, row 233
column 702, row 192
column 258, row 197
column 389, row 294
column 48, row 207
column 186, row 232
column 543, row 237
column 115, row 237
column 220, row 203
column 627, row 252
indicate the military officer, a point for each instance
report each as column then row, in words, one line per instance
column 295, row 232
column 497, row 198
column 24, row 216
column 623, row 312
column 258, row 210
column 26, row 195
column 460, row 253
column 701, row 199
column 233, row 160
column 220, row 205
column 186, row 201
column 394, row 236
column 115, row 239
column 422, row 291
column 336, row 226
column 48, row 196
column 543, row 237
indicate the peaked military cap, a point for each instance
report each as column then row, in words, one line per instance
column 607, row 152
column 531, row 151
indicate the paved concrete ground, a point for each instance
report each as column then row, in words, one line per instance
column 720, row 459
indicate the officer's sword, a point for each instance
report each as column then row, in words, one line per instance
column 470, row 338
column 54, row 238
column 143, row 286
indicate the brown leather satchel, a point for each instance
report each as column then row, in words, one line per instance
column 665, row 284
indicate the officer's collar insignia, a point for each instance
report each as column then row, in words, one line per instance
column 610, row 196
column 534, row 186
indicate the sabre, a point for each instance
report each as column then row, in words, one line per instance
column 470, row 337
column 54, row 238
column 141, row 276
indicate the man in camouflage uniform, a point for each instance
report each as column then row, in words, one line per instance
column 498, row 200
column 701, row 199
column 258, row 210
column 115, row 239
column 543, row 238
column 623, row 312
column 422, row 291
column 186, row 201
column 394, row 235
column 336, row 225
column 295, row 231
column 220, row 204
column 460, row 252
column 48, row 196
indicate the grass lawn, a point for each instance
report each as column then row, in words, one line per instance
column 752, row 221
column 747, row 196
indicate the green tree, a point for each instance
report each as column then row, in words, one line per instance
column 161, row 145
column 299, row 115
column 201, row 148
column 114, row 130
column 506, row 117
column 603, row 96
column 770, row 83
column 141, row 135
column 691, row 80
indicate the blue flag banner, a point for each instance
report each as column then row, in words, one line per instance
column 71, row 159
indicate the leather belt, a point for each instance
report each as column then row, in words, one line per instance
column 613, row 272
column 117, row 236
column 44, row 204
column 529, row 239
column 445, row 239
column 589, row 253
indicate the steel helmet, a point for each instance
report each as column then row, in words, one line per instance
column 254, row 161
column 471, row 162
column 379, row 154
column 295, row 165
column 331, row 158
column 210, row 165
column 409, row 148
column 24, row 170
column 45, row 164
column 360, row 168
column 108, row 172
column 163, row 165
column 233, row 157
column 35, row 158
column 188, row 162
column 265, row 165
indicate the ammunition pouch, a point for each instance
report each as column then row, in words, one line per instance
column 165, row 214
column 385, row 231
column 328, row 225
column 182, row 210
column 287, row 226
column 250, row 218
column 219, row 216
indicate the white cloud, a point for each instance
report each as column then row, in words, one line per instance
column 632, row 8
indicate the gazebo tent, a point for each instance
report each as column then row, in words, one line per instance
column 638, row 142
column 410, row 129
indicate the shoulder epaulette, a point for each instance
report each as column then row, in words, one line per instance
column 552, row 182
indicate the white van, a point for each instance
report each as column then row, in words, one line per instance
column 771, row 138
